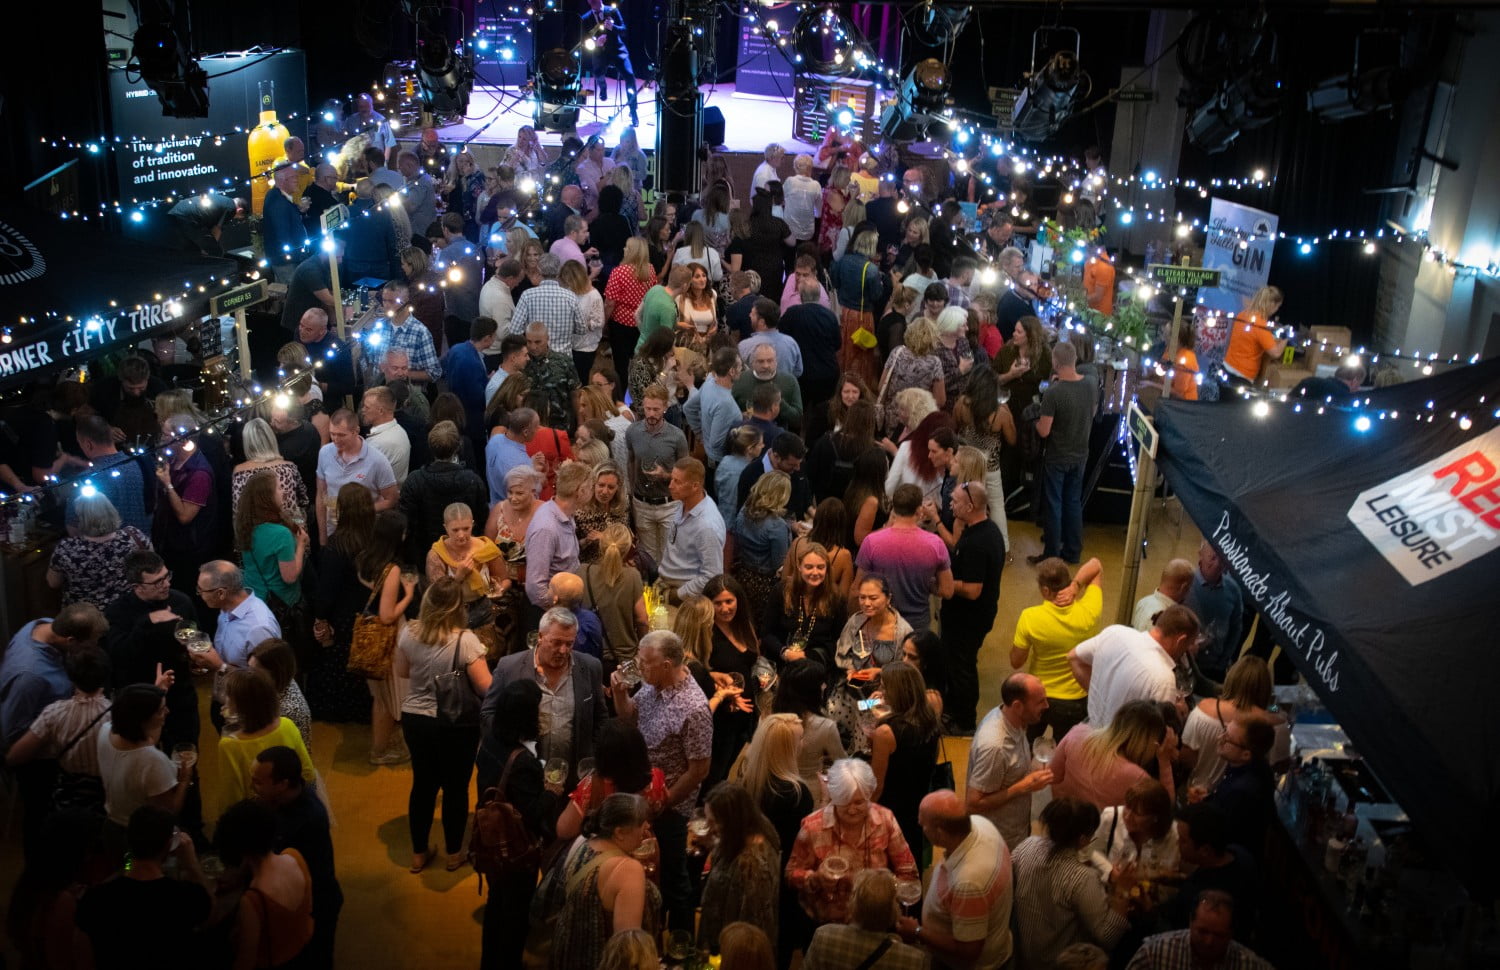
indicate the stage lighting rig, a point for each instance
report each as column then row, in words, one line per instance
column 921, row 101
column 160, row 53
column 938, row 26
column 825, row 42
column 557, row 87
column 445, row 73
column 1228, row 63
column 1375, row 84
column 1242, row 105
column 1050, row 92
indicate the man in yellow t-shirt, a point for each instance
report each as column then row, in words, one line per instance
column 1068, row 615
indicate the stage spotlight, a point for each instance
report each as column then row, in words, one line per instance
column 445, row 74
column 1376, row 83
column 1241, row 105
column 557, row 86
column 170, row 70
column 825, row 42
column 920, row 101
column 937, row 26
column 1047, row 99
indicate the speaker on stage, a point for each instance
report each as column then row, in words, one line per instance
column 713, row 127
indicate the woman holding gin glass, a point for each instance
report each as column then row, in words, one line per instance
column 474, row 561
column 849, row 835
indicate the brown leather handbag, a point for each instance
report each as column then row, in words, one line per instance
column 373, row 642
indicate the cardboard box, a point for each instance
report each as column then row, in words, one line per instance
column 1280, row 377
column 1330, row 345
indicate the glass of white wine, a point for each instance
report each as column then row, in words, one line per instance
column 185, row 754
column 556, row 771
column 1042, row 750
column 909, row 892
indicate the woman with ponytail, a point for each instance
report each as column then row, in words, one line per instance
column 612, row 588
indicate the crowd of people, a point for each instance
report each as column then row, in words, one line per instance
column 684, row 540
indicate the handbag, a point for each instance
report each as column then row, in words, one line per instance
column 942, row 772
column 457, row 704
column 76, row 791
column 863, row 337
column 373, row 642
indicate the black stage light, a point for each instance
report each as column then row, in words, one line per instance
column 921, row 100
column 170, row 70
column 1048, row 97
column 1242, row 105
column 557, row 87
column 446, row 74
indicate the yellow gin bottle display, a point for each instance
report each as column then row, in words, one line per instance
column 265, row 143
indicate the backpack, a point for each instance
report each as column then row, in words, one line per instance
column 500, row 843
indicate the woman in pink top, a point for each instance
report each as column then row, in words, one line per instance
column 1100, row 766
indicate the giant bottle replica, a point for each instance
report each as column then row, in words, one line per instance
column 265, row 146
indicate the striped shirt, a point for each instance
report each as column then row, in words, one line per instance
column 1173, row 951
column 970, row 895
column 1060, row 901
column 62, row 721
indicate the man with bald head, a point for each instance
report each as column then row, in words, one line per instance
column 1001, row 778
column 1176, row 580
column 567, row 592
column 966, row 913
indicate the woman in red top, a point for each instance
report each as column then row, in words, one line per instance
column 550, row 444
column 621, row 765
column 623, row 294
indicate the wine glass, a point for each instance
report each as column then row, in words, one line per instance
column 1042, row 749
column 737, row 681
column 680, row 947
column 556, row 771
column 909, row 892
column 834, row 867
column 585, row 767
column 185, row 753
column 1003, row 396
column 186, row 632
column 200, row 644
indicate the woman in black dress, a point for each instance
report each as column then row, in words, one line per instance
column 903, row 747
column 333, row 693
column 765, row 249
column 734, row 651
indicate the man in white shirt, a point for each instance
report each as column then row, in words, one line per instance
column 495, row 299
column 803, row 197
column 1001, row 779
column 766, row 172
column 966, row 912
column 378, row 410
column 1122, row 665
column 1176, row 580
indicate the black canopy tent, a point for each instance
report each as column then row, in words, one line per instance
column 71, row 291
column 1369, row 544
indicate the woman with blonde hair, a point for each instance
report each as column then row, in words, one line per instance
column 914, row 233
column 424, row 283
column 759, row 537
column 1247, row 690
column 695, row 251
column 623, row 293
column 530, row 255
column 1252, row 339
column 903, row 747
column 263, row 454
column 861, row 288
column 575, row 279
column 914, row 364
column 613, row 589
column 608, row 504
column 772, row 778
column 694, row 626
column 292, row 358
column 631, row 949
column 527, row 154
column 1100, row 765
column 442, row 753
column 475, row 562
column 853, row 215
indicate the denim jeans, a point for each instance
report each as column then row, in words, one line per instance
column 1062, row 531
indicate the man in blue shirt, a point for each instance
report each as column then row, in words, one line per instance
column 765, row 318
column 461, row 266
column 464, row 368
column 33, row 674
column 114, row 475
column 712, row 412
column 507, row 451
column 1217, row 602
column 244, row 622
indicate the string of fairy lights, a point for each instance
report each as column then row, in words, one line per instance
column 180, row 440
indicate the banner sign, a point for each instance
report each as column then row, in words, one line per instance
column 67, row 344
column 1183, row 276
column 761, row 67
column 157, row 157
column 1239, row 242
column 1438, row 516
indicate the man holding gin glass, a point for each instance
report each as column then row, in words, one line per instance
column 572, row 684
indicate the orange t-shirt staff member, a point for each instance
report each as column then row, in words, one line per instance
column 1099, row 283
column 1251, row 338
column 1185, row 365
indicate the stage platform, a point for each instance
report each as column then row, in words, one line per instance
column 750, row 121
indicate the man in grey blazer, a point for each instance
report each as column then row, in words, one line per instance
column 572, row 691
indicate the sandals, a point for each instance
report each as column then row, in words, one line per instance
column 456, row 862
column 426, row 857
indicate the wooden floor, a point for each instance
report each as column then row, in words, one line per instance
column 390, row 915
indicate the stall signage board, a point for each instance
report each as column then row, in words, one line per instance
column 1142, row 430
column 334, row 217
column 1183, row 276
column 239, row 298
column 1135, row 94
column 80, row 341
